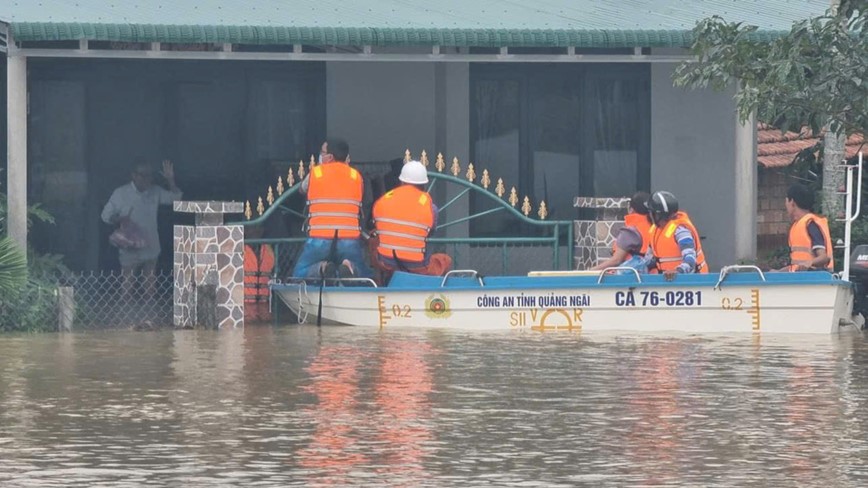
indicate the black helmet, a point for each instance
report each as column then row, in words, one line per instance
column 662, row 205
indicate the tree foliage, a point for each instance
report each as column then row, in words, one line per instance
column 814, row 75
column 13, row 267
column 27, row 286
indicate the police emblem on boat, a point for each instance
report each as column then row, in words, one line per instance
column 437, row 306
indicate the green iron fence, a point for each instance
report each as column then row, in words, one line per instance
column 550, row 245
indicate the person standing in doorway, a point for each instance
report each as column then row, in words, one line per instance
column 133, row 209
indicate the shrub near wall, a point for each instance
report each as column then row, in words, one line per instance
column 31, row 303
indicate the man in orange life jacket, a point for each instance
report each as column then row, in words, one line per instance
column 258, row 265
column 675, row 246
column 810, row 241
column 404, row 217
column 632, row 241
column 334, row 204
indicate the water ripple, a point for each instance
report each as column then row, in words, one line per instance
column 298, row 406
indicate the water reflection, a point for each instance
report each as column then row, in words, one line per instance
column 385, row 436
column 332, row 452
column 662, row 371
column 402, row 390
column 354, row 407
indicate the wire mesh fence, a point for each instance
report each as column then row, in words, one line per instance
column 504, row 258
column 285, row 256
column 112, row 300
column 32, row 308
column 95, row 300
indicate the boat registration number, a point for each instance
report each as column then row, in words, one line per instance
column 679, row 298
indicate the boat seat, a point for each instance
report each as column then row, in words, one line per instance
column 402, row 279
column 573, row 272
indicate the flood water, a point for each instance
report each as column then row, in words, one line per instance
column 340, row 406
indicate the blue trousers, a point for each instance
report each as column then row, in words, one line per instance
column 317, row 250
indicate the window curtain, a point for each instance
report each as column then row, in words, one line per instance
column 497, row 146
column 615, row 120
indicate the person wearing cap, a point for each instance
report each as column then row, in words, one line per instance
column 334, row 206
column 675, row 245
column 404, row 218
column 632, row 240
column 134, row 206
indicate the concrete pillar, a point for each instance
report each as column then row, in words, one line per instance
column 16, row 133
column 594, row 238
column 745, row 190
column 209, row 267
column 65, row 308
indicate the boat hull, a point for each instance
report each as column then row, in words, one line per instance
column 698, row 304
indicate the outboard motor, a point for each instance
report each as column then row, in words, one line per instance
column 859, row 277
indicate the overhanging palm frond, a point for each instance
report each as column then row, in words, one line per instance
column 13, row 267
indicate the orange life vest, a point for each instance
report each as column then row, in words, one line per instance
column 403, row 218
column 334, row 199
column 257, row 272
column 665, row 247
column 800, row 240
column 642, row 224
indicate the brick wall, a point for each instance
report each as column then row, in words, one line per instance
column 772, row 221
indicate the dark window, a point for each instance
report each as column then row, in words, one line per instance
column 497, row 138
column 560, row 131
column 231, row 128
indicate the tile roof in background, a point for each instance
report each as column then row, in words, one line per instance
column 580, row 23
column 776, row 149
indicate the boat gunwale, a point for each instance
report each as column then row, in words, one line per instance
column 589, row 283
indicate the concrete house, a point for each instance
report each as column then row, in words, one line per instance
column 562, row 98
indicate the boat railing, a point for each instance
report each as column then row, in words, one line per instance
column 615, row 269
column 726, row 270
column 328, row 281
column 851, row 214
column 462, row 272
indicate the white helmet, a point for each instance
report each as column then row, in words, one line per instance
column 414, row 173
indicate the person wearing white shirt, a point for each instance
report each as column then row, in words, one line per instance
column 138, row 202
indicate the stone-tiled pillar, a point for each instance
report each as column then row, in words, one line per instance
column 209, row 255
column 594, row 238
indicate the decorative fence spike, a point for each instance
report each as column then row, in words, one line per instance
column 407, row 155
column 456, row 168
column 500, row 189
column 543, row 211
column 260, row 208
column 486, row 180
column 290, row 178
column 279, row 185
column 440, row 164
column 424, row 158
column 301, row 170
column 270, row 196
column 513, row 197
column 526, row 207
column 471, row 174
column 311, row 164
column 248, row 214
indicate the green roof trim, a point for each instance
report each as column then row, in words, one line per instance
column 359, row 36
column 464, row 23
